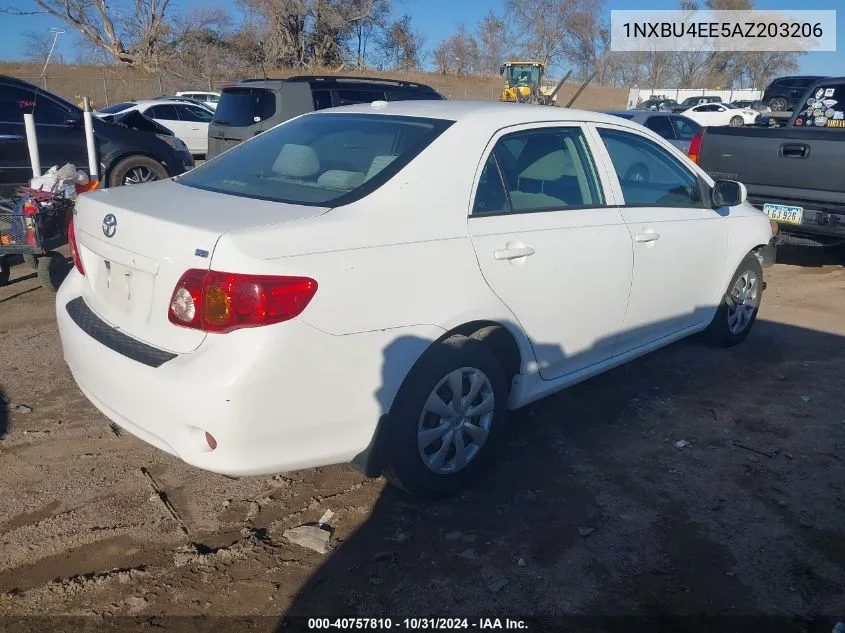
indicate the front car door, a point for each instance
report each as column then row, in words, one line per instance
column 679, row 240
column 196, row 120
column 550, row 246
column 166, row 115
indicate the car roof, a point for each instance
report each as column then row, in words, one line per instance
column 333, row 81
column 494, row 111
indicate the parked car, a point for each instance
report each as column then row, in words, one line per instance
column 188, row 121
column 784, row 93
column 657, row 104
column 127, row 154
column 256, row 105
column 689, row 102
column 420, row 260
column 793, row 173
column 208, row 98
column 715, row 114
column 675, row 128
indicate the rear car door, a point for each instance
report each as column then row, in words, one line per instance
column 550, row 246
column 679, row 240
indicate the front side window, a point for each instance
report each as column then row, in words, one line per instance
column 541, row 169
column 322, row 99
column 326, row 159
column 648, row 174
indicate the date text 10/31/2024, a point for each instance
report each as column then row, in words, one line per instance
column 415, row 624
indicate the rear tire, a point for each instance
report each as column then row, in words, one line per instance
column 737, row 121
column 52, row 270
column 778, row 104
column 738, row 309
column 437, row 441
column 136, row 170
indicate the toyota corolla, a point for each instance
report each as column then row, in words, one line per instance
column 379, row 284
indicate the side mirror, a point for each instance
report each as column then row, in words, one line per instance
column 729, row 193
column 501, row 70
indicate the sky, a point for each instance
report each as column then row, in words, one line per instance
column 436, row 20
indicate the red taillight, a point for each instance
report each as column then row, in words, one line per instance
column 695, row 148
column 74, row 249
column 213, row 301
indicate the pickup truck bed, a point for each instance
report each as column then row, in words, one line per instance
column 793, row 166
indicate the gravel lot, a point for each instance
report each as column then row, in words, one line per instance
column 592, row 509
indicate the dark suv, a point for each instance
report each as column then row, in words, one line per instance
column 784, row 93
column 127, row 153
column 255, row 105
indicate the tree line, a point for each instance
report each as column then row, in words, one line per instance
column 153, row 35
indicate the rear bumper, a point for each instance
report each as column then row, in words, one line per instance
column 275, row 399
column 821, row 221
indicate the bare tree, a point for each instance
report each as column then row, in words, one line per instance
column 36, row 48
column 402, row 45
column 443, row 57
column 492, row 37
column 373, row 20
column 543, row 26
column 587, row 43
column 761, row 67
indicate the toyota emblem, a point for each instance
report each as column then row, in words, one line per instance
column 109, row 225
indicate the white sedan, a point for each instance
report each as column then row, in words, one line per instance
column 379, row 284
column 188, row 121
column 714, row 114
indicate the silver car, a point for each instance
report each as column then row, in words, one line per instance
column 675, row 128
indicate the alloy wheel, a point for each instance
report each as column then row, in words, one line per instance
column 743, row 300
column 138, row 175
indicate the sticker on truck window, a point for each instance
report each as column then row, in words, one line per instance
column 819, row 93
column 821, row 120
column 817, row 112
column 829, row 92
column 836, row 123
column 839, row 115
column 811, row 102
column 829, row 113
column 799, row 121
column 830, row 102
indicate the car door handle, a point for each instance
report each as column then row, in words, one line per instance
column 195, row 129
column 515, row 252
column 11, row 137
column 794, row 150
column 649, row 236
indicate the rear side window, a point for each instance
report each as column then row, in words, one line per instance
column 824, row 108
column 166, row 112
column 242, row 107
column 349, row 97
column 318, row 159
column 661, row 126
column 541, row 170
column 413, row 95
column 685, row 128
column 648, row 174
column 322, row 99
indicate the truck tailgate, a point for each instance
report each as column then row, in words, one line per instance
column 778, row 162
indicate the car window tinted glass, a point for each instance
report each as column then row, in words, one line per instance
column 117, row 107
column 648, row 174
column 322, row 99
column 318, row 159
column 412, row 95
column 16, row 101
column 349, row 97
column 165, row 112
column 825, row 107
column 549, row 168
column 239, row 107
column 622, row 116
column 490, row 197
column 662, row 126
column 685, row 128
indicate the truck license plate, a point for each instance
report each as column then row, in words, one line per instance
column 784, row 213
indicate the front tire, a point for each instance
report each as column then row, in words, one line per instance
column 737, row 121
column 738, row 309
column 136, row 170
column 446, row 419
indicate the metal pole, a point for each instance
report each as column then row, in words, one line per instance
column 32, row 144
column 89, row 139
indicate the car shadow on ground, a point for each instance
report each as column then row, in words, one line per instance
column 595, row 510
column 811, row 256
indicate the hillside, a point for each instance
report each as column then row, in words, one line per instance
column 106, row 85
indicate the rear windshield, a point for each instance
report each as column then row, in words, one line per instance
column 685, row 128
column 117, row 107
column 318, row 159
column 242, row 107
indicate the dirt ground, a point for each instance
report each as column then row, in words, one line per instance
column 590, row 511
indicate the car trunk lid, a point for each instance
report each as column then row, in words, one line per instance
column 135, row 242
